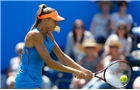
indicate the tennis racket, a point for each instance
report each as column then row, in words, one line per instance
column 118, row 74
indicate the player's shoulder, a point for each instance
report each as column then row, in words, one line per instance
column 34, row 34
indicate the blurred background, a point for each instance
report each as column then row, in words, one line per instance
column 101, row 21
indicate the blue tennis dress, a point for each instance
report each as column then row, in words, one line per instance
column 29, row 75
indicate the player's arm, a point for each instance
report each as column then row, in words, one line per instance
column 37, row 40
column 65, row 58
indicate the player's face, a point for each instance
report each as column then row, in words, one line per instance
column 51, row 24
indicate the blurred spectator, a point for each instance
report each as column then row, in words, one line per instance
column 136, row 84
column 121, row 15
column 76, row 38
column 46, row 82
column 89, row 61
column 14, row 66
column 122, row 36
column 136, row 37
column 91, row 57
column 101, row 22
column 113, row 55
column 3, row 81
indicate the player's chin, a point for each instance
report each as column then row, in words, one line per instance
column 52, row 29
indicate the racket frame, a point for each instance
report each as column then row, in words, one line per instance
column 104, row 71
column 95, row 75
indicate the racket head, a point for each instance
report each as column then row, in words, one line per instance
column 112, row 77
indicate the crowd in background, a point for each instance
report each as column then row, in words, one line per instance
column 110, row 38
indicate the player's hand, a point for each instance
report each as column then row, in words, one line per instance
column 89, row 74
column 79, row 74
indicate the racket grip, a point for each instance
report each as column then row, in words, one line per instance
column 92, row 76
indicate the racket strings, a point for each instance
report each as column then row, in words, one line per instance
column 115, row 71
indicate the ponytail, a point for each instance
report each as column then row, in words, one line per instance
column 39, row 12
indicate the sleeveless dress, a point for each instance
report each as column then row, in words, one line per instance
column 29, row 75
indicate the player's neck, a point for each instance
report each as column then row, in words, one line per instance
column 42, row 30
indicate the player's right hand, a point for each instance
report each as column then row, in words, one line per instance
column 79, row 74
column 89, row 74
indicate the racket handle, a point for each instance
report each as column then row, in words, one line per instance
column 92, row 76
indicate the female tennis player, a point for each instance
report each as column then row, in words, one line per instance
column 39, row 42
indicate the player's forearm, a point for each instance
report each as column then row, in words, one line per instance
column 57, row 66
column 70, row 62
